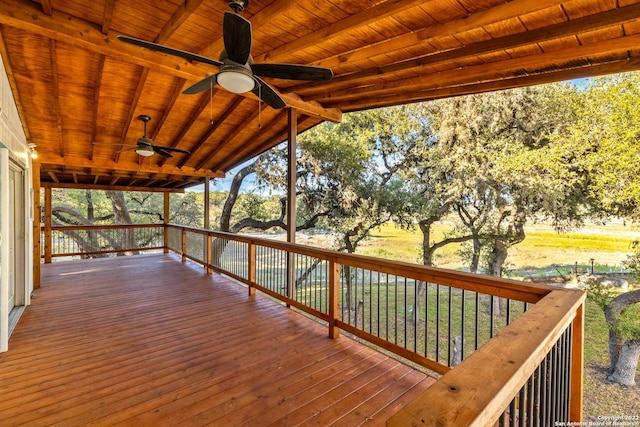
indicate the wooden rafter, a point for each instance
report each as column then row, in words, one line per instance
column 565, row 29
column 505, row 11
column 109, row 6
column 212, row 128
column 366, row 17
column 471, row 73
column 204, row 101
column 96, row 99
column 142, row 80
column 62, row 27
column 56, row 95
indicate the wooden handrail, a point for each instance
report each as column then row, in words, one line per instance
column 505, row 288
column 478, row 390
column 103, row 227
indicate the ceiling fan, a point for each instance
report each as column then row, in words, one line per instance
column 144, row 146
column 238, row 73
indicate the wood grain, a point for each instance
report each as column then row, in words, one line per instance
column 150, row 340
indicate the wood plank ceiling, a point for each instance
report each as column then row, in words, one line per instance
column 75, row 83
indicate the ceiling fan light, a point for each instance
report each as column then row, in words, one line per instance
column 235, row 81
column 145, row 152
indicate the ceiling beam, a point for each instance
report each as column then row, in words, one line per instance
column 109, row 6
column 212, row 128
column 96, row 98
column 184, row 11
column 502, row 12
column 622, row 66
column 205, row 99
column 468, row 74
column 56, row 113
column 111, row 188
column 564, row 29
column 81, row 162
column 366, row 17
column 133, row 104
column 26, row 16
column 227, row 138
column 280, row 134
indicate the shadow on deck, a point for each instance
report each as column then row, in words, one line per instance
column 150, row 340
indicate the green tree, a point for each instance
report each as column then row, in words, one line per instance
column 608, row 138
column 496, row 165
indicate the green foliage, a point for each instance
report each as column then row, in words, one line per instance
column 607, row 136
column 628, row 325
column 598, row 292
column 632, row 262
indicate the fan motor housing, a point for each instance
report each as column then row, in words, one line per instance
column 238, row 5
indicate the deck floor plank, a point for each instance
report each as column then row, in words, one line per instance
column 148, row 340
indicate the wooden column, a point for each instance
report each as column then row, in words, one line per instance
column 35, row 183
column 334, row 298
column 291, row 198
column 48, row 236
column 251, row 273
column 577, row 367
column 207, row 202
column 166, row 221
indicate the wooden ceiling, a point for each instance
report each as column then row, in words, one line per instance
column 75, row 83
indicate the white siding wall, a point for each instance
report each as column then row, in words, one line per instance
column 13, row 145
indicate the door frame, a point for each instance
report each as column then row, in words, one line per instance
column 7, row 321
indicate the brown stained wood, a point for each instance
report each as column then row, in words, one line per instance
column 478, row 390
column 147, row 339
column 74, row 81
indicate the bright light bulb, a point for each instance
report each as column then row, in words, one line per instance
column 146, row 152
column 235, row 82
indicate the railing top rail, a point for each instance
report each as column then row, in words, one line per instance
column 507, row 288
column 476, row 392
column 103, row 227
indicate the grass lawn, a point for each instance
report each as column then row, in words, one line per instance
column 542, row 252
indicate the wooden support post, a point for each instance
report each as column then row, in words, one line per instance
column 577, row 367
column 207, row 202
column 291, row 198
column 208, row 253
column 35, row 184
column 48, row 234
column 334, row 298
column 183, row 246
column 166, row 221
column 251, row 268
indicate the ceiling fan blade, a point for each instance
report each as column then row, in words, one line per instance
column 236, row 33
column 176, row 150
column 162, row 151
column 201, row 86
column 128, row 149
column 293, row 72
column 268, row 95
column 113, row 143
column 169, row 50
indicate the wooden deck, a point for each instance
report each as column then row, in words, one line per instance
column 147, row 340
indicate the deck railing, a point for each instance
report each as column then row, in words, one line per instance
column 101, row 240
column 509, row 353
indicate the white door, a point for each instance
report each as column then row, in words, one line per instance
column 16, row 237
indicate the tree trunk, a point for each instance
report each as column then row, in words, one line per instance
column 623, row 354
column 122, row 216
column 626, row 367
column 475, row 256
column 498, row 257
